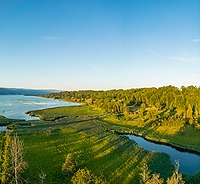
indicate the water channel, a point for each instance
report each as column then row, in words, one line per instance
column 189, row 162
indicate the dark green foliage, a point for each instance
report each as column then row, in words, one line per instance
column 192, row 179
column 147, row 178
column 6, row 121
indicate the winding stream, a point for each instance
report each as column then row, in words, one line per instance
column 189, row 162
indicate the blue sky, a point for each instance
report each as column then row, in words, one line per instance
column 99, row 44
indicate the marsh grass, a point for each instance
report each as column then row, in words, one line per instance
column 185, row 136
column 52, row 114
column 82, row 132
column 6, row 121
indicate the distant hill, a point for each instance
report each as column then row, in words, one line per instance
column 21, row 91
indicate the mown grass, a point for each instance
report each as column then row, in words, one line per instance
column 83, row 133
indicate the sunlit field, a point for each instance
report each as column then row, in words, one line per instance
column 114, row 158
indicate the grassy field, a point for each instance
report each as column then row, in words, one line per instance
column 79, row 131
column 89, row 134
column 184, row 136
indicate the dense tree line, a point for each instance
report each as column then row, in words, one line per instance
column 175, row 103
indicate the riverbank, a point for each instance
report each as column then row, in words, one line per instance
column 187, row 140
column 180, row 140
column 185, row 158
column 167, row 114
column 161, row 142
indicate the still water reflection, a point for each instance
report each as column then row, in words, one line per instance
column 189, row 162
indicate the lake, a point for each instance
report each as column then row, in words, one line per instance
column 15, row 106
column 2, row 128
column 189, row 162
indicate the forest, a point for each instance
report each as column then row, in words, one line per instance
column 159, row 105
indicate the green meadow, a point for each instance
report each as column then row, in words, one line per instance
column 178, row 135
column 92, row 136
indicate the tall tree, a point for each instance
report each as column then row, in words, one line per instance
column 145, row 174
column 69, row 167
column 176, row 177
column 16, row 156
column 84, row 176
column 155, row 179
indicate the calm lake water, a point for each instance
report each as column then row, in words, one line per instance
column 2, row 128
column 189, row 162
column 15, row 106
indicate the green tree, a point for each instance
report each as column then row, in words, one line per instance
column 145, row 174
column 189, row 112
column 84, row 176
column 155, row 179
column 69, row 167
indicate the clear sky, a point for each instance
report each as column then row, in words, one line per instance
column 99, row 44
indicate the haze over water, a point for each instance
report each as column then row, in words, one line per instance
column 15, row 106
